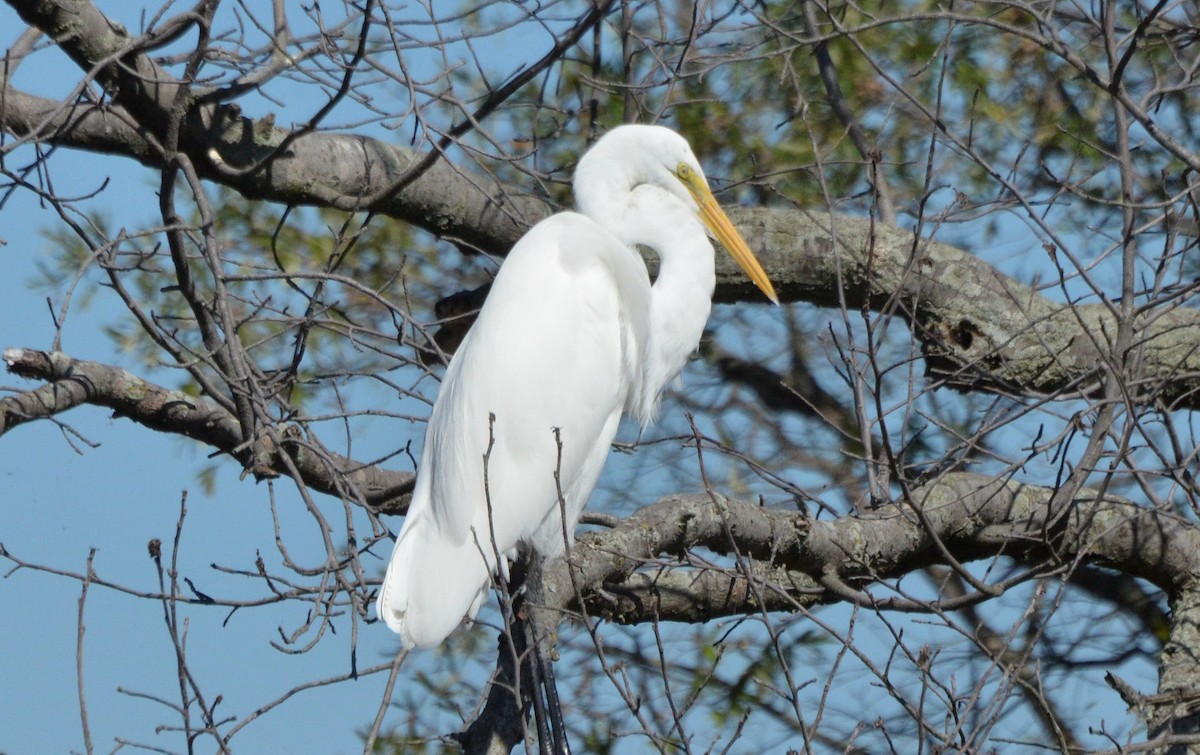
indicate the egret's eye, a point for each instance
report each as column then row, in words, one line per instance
column 684, row 172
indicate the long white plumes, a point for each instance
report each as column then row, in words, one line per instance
column 571, row 335
column 428, row 586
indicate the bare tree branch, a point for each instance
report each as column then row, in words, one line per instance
column 978, row 328
column 797, row 561
column 332, row 170
column 976, row 516
column 1056, row 557
column 72, row 382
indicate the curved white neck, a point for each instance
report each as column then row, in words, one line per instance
column 681, row 297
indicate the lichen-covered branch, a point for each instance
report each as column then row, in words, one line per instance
column 1173, row 714
column 978, row 328
column 787, row 561
column 973, row 516
column 319, row 168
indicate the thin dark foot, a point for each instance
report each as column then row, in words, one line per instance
column 558, row 727
column 534, row 668
column 547, row 712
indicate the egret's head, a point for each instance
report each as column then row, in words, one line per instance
column 633, row 155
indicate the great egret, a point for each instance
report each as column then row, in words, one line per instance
column 571, row 335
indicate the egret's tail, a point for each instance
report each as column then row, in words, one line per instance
column 431, row 583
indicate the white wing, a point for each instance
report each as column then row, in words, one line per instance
column 558, row 344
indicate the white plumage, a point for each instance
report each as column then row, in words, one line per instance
column 571, row 335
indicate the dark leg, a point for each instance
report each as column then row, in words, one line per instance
column 524, row 656
column 534, row 681
column 552, row 733
column 558, row 727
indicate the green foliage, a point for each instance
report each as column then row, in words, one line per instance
column 981, row 103
column 298, row 278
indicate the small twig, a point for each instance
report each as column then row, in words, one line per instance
column 83, row 715
column 384, row 703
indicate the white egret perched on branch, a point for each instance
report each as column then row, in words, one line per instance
column 571, row 335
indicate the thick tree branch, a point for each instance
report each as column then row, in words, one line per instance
column 325, row 169
column 691, row 595
column 1173, row 714
column 979, row 329
column 788, row 561
column 974, row 516
column 79, row 125
column 71, row 382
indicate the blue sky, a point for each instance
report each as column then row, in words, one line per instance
column 56, row 505
column 61, row 497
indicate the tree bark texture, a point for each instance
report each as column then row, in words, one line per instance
column 978, row 330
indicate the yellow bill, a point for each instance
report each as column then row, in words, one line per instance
column 718, row 223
